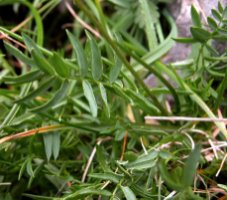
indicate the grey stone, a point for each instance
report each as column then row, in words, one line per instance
column 181, row 12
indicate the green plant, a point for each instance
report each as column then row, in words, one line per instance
column 83, row 113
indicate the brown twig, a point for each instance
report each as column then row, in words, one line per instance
column 83, row 23
column 5, row 36
column 124, row 145
column 23, row 23
column 30, row 133
column 183, row 118
column 100, row 140
column 221, row 166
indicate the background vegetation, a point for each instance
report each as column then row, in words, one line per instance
column 76, row 115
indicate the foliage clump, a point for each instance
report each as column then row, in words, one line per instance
column 80, row 123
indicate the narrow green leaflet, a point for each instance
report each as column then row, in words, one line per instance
column 56, row 144
column 144, row 161
column 88, row 93
column 42, row 63
column 212, row 23
column 42, row 88
column 225, row 14
column 185, row 40
column 196, row 20
column 80, row 104
column 220, row 8
column 51, row 145
column 191, row 166
column 37, row 55
column 25, row 78
column 104, row 99
column 18, row 54
column 81, row 58
column 118, row 90
column 214, row 58
column 216, row 14
column 200, row 34
column 221, row 38
column 142, row 102
column 109, row 176
column 96, row 62
column 58, row 97
column 142, row 192
column 22, row 169
column 103, row 93
column 86, row 192
column 115, row 70
column 128, row 193
column 60, row 65
column 48, row 144
column 30, row 44
column 29, row 168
